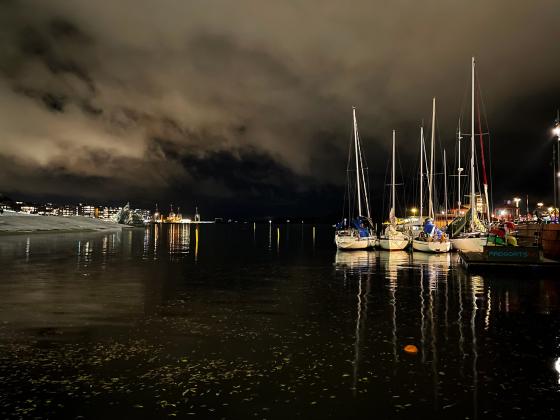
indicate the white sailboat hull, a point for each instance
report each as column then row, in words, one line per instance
column 475, row 244
column 393, row 244
column 431, row 246
column 353, row 242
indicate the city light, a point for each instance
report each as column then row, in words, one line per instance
column 517, row 200
column 539, row 205
column 556, row 131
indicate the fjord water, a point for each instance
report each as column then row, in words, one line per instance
column 231, row 321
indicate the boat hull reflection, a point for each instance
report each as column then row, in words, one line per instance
column 355, row 261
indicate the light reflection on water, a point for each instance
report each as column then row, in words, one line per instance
column 327, row 316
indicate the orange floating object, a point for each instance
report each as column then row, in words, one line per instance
column 411, row 348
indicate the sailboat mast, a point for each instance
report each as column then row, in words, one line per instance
column 484, row 177
column 363, row 177
column 473, row 204
column 445, row 182
column 421, row 171
column 459, row 171
column 431, row 182
column 357, row 159
column 393, row 178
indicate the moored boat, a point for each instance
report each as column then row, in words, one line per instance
column 435, row 246
column 469, row 233
column 393, row 239
column 356, row 231
column 431, row 239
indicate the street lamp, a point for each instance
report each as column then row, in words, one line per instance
column 517, row 200
column 556, row 157
column 413, row 210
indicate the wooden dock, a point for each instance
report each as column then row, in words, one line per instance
column 508, row 258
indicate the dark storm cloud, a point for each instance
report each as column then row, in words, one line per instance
column 247, row 98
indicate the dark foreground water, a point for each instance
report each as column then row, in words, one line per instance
column 232, row 322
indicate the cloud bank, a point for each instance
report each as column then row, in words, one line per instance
column 245, row 99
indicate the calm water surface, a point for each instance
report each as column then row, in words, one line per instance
column 235, row 322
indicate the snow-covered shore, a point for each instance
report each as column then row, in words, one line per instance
column 26, row 223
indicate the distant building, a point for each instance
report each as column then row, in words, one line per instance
column 146, row 214
column 47, row 209
column 109, row 212
column 69, row 210
column 28, row 208
column 87, row 210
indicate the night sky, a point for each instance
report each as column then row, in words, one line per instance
column 244, row 107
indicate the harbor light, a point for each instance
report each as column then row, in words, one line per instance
column 539, row 205
column 517, row 200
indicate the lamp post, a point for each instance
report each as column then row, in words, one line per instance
column 517, row 200
column 413, row 210
column 556, row 158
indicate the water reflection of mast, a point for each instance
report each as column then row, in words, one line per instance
column 433, row 290
column 476, row 285
column 460, row 320
column 488, row 308
column 393, row 303
column 422, row 317
column 445, row 319
column 360, row 324
column 357, row 335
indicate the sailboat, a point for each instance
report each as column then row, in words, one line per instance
column 428, row 242
column 392, row 239
column 468, row 233
column 356, row 231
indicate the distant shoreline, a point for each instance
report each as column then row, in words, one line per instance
column 16, row 224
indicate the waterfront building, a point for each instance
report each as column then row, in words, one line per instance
column 87, row 210
column 145, row 214
column 29, row 209
column 109, row 212
column 69, row 210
